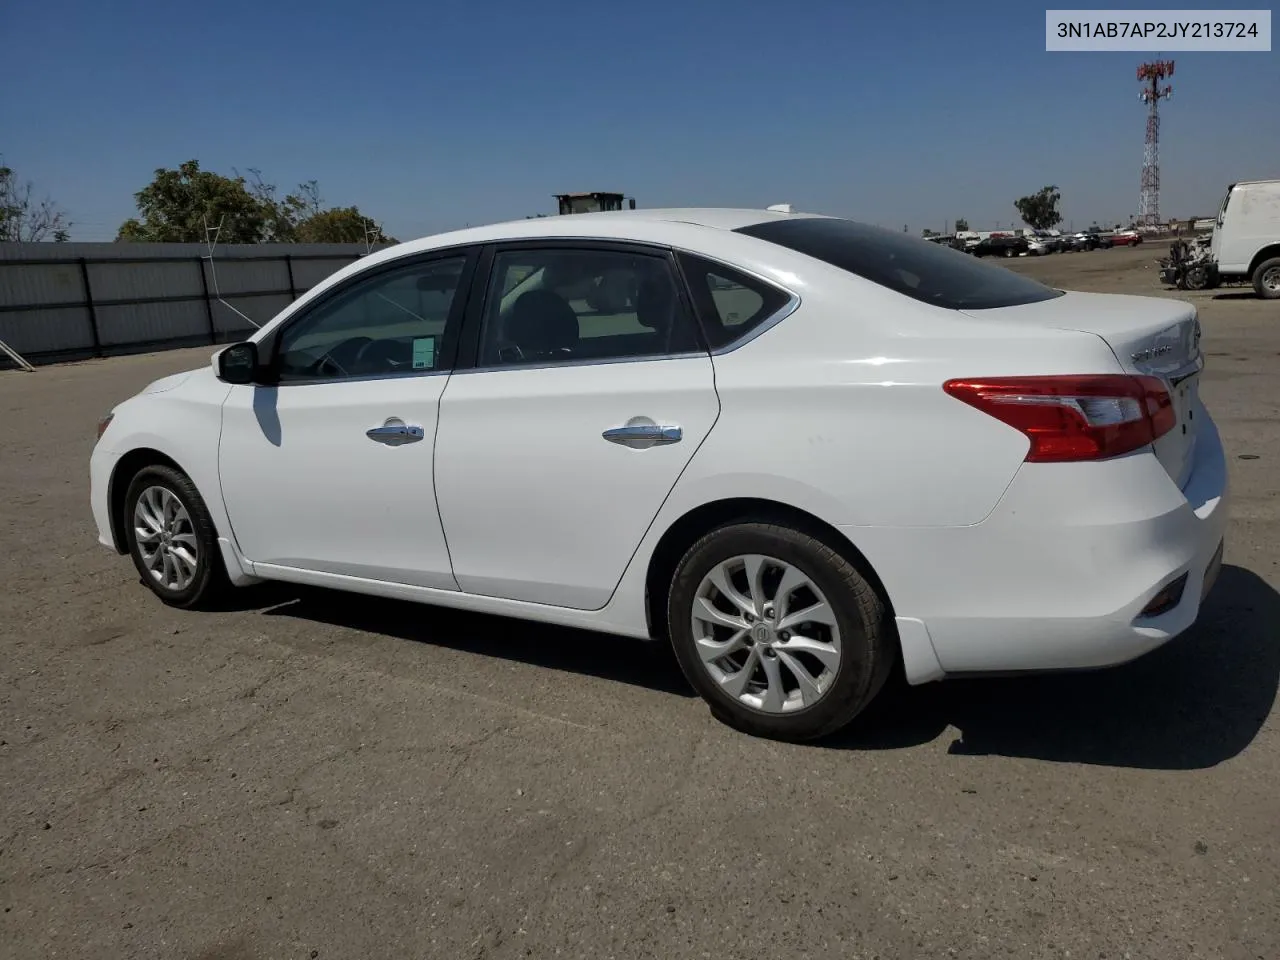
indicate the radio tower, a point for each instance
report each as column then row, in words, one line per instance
column 1150, row 76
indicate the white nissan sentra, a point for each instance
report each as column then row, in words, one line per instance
column 797, row 448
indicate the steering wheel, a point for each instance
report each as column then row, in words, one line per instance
column 386, row 362
column 328, row 358
column 509, row 352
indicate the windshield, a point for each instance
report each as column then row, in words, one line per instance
column 915, row 268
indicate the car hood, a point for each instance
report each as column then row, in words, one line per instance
column 166, row 383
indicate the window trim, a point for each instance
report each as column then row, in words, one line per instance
column 764, row 326
column 468, row 358
column 269, row 345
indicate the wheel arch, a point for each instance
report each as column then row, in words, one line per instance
column 1266, row 253
column 126, row 468
column 701, row 520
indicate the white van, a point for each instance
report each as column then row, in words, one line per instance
column 1246, row 237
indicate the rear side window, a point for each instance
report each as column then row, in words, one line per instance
column 915, row 268
column 730, row 303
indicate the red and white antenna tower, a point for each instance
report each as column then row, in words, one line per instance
column 1150, row 76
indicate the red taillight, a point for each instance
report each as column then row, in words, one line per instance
column 103, row 424
column 1074, row 417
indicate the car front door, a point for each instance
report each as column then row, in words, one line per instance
column 590, row 391
column 328, row 468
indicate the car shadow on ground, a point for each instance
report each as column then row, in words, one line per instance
column 620, row 659
column 1194, row 703
column 1237, row 295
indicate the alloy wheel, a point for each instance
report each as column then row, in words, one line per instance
column 766, row 634
column 166, row 538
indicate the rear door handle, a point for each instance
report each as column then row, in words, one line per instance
column 395, row 432
column 643, row 434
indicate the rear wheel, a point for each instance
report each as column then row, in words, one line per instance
column 779, row 633
column 1266, row 279
column 172, row 539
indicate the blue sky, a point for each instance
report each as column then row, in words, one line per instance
column 430, row 115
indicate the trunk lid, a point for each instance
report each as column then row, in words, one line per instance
column 1152, row 336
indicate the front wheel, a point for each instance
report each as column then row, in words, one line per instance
column 172, row 539
column 779, row 633
column 1266, row 279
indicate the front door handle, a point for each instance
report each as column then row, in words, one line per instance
column 643, row 435
column 395, row 432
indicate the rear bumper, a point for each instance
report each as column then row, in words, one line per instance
column 1058, row 577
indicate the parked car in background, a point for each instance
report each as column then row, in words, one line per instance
column 1036, row 246
column 1090, row 240
column 1052, row 240
column 1002, row 246
column 1126, row 238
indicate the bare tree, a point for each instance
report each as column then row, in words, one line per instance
column 26, row 218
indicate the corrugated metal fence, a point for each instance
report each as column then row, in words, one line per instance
column 73, row 300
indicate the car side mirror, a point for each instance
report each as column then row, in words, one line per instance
column 238, row 363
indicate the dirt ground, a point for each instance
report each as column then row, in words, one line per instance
column 329, row 776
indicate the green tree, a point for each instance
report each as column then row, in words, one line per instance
column 191, row 205
column 186, row 204
column 962, row 225
column 284, row 216
column 926, row 233
column 24, row 217
column 1040, row 210
column 340, row 225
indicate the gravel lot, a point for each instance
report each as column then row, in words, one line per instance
column 330, row 776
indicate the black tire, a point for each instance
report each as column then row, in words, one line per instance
column 210, row 579
column 1196, row 278
column 1266, row 279
column 867, row 648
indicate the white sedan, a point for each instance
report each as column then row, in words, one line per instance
column 799, row 449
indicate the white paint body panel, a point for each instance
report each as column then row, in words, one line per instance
column 306, row 488
column 1249, row 222
column 537, row 505
column 989, row 563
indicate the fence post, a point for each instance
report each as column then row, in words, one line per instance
column 88, row 302
column 208, row 304
column 293, row 288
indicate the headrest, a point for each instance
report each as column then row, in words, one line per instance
column 542, row 321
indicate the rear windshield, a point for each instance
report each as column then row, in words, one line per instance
column 916, row 268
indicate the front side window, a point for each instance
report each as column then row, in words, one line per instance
column 912, row 267
column 395, row 322
column 549, row 305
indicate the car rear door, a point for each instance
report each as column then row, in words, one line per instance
column 589, row 391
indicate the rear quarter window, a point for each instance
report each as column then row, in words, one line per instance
column 730, row 304
column 915, row 268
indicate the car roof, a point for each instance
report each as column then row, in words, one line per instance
column 612, row 224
